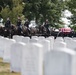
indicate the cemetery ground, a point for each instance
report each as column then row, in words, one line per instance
column 5, row 69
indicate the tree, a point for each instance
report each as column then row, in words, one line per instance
column 43, row 9
column 14, row 11
column 40, row 10
column 5, row 13
column 5, row 3
column 72, row 7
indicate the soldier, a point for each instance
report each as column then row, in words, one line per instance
column 19, row 22
column 8, row 23
column 46, row 25
column 26, row 23
column 19, row 26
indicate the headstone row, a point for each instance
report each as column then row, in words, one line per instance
column 39, row 56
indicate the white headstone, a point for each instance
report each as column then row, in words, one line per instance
column 18, row 38
column 60, row 62
column 59, row 45
column 26, row 40
column 51, row 42
column 34, row 37
column 33, row 40
column 6, row 55
column 32, row 60
column 74, row 38
column 66, row 39
column 41, row 37
column 1, row 46
column 3, row 43
column 59, row 39
column 69, row 42
column 72, row 44
column 46, row 45
column 16, row 57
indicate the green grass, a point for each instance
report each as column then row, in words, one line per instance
column 5, row 69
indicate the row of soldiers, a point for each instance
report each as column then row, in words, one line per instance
column 8, row 23
column 26, row 23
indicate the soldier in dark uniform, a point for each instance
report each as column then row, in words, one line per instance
column 7, row 29
column 19, row 28
column 8, row 23
column 19, row 22
column 46, row 25
column 26, row 23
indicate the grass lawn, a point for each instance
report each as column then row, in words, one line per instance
column 5, row 69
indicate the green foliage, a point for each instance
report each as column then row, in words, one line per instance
column 13, row 13
column 5, row 3
column 16, row 11
column 73, row 27
column 44, row 9
column 5, row 13
column 40, row 10
column 72, row 7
